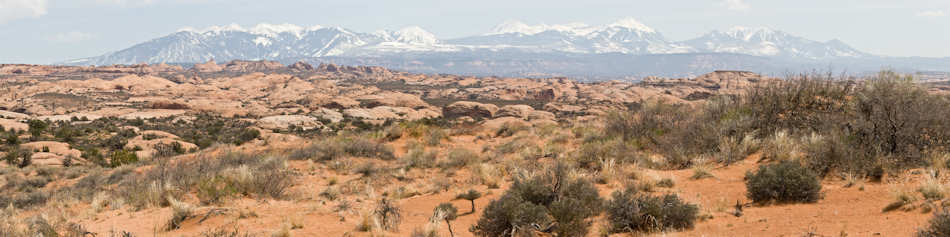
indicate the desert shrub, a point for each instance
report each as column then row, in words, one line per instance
column 367, row 148
column 420, row 158
column 322, row 150
column 516, row 144
column 838, row 153
column 510, row 215
column 460, row 157
column 224, row 232
column 538, row 201
column 212, row 190
column 628, row 211
column 678, row 132
column 805, row 103
column 388, row 213
column 434, row 136
column 591, row 154
column 785, row 181
column 510, row 128
column 167, row 150
column 37, row 127
column 19, row 157
column 181, row 211
column 895, row 117
column 122, row 157
column 12, row 139
column 939, row 225
column 393, row 132
column 239, row 173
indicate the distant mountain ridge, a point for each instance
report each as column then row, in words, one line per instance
column 548, row 47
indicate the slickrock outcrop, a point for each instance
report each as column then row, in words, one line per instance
column 471, row 109
column 287, row 121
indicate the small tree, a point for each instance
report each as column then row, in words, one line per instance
column 471, row 195
column 447, row 213
column 37, row 127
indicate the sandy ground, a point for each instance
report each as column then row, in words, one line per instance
column 843, row 211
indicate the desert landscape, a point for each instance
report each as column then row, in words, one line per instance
column 258, row 148
column 489, row 118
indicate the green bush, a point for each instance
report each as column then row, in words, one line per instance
column 631, row 212
column 19, row 157
column 538, row 201
column 785, row 182
column 122, row 157
column 510, row 214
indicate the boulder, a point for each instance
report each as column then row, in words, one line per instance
column 286, row 121
column 327, row 114
column 471, row 109
column 517, row 111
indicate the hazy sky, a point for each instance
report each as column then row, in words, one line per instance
column 47, row 31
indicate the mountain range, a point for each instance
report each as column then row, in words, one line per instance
column 625, row 48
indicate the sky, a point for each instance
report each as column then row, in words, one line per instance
column 50, row 31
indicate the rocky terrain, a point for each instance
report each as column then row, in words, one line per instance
column 258, row 148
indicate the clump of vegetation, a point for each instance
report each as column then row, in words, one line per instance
column 470, row 195
column 628, row 211
column 939, row 225
column 535, row 203
column 214, row 178
column 785, row 181
column 460, row 157
column 181, row 211
column 420, row 158
column 446, row 212
column 332, row 148
column 388, row 213
column 122, row 157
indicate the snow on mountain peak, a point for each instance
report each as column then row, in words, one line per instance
column 415, row 35
column 513, row 26
column 264, row 29
column 747, row 33
column 274, row 30
column 632, row 23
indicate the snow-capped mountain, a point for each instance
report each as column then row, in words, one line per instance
column 627, row 36
column 762, row 41
column 514, row 47
column 265, row 41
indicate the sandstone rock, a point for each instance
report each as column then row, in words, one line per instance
column 467, row 108
column 341, row 103
column 393, row 99
column 252, row 66
column 517, row 111
column 57, row 148
column 209, row 66
column 301, row 66
column 152, row 113
column 155, row 138
column 13, row 115
column 10, row 125
column 495, row 124
column 376, row 113
column 286, row 121
column 327, row 114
